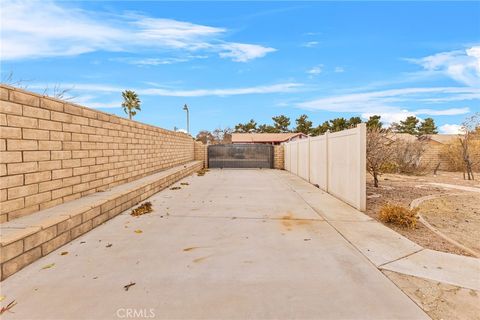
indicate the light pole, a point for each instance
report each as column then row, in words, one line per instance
column 185, row 107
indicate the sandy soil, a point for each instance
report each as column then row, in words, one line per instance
column 439, row 300
column 456, row 216
column 404, row 189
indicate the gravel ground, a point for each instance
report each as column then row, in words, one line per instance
column 439, row 300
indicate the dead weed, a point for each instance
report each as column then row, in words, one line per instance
column 399, row 215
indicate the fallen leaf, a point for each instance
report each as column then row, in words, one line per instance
column 175, row 188
column 64, row 253
column 126, row 287
column 48, row 266
column 138, row 231
column 2, row 298
column 109, row 245
column 144, row 208
column 185, row 184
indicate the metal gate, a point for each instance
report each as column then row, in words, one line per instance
column 240, row 156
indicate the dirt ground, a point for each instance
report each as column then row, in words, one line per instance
column 439, row 300
column 456, row 216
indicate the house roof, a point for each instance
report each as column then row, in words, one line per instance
column 443, row 138
column 264, row 137
column 439, row 138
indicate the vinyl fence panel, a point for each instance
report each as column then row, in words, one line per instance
column 304, row 159
column 318, row 158
column 347, row 167
column 334, row 161
column 294, row 158
column 286, row 157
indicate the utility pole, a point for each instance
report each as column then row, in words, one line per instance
column 185, row 107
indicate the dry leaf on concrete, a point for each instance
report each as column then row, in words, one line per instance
column 126, row 287
column 64, row 253
column 138, row 231
column 144, row 208
column 48, row 266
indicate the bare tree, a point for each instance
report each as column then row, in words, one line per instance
column 205, row 137
column 408, row 155
column 471, row 133
column 380, row 151
column 222, row 135
column 10, row 80
column 58, row 92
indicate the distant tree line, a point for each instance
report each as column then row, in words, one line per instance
column 282, row 124
column 411, row 125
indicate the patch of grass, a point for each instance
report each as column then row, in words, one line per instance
column 399, row 215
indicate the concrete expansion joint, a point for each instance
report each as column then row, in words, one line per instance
column 403, row 257
column 396, row 253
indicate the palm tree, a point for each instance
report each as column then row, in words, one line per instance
column 130, row 103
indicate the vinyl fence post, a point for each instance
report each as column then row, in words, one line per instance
column 362, row 188
column 327, row 163
column 308, row 159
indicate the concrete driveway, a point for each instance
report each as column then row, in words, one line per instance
column 232, row 244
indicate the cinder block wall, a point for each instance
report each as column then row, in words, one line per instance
column 53, row 151
column 201, row 153
column 278, row 157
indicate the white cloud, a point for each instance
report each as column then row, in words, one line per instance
column 445, row 112
column 385, row 99
column 152, row 61
column 316, row 70
column 276, row 88
column 450, row 128
column 91, row 101
column 310, row 44
column 388, row 103
column 389, row 117
column 242, row 52
column 37, row 29
column 461, row 65
column 168, row 92
column 339, row 69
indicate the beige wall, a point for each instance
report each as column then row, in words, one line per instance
column 334, row 161
column 53, row 151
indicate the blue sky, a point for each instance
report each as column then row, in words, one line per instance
column 232, row 61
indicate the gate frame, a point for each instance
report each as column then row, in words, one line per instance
column 270, row 156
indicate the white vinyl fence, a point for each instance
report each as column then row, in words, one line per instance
column 334, row 161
